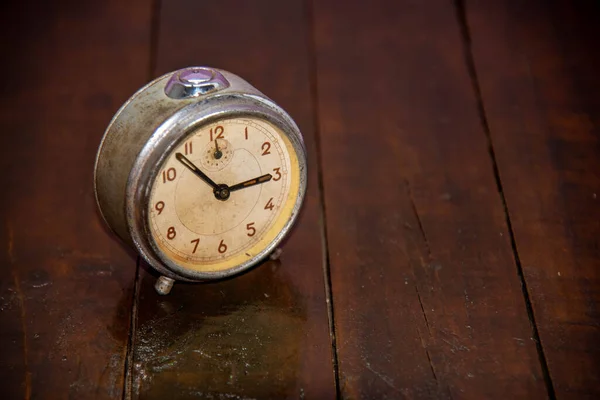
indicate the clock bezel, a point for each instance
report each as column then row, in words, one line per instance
column 169, row 135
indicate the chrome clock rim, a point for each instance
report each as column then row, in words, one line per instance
column 169, row 135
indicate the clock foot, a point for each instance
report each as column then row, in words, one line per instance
column 163, row 285
column 276, row 254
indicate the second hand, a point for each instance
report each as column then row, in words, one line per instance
column 218, row 154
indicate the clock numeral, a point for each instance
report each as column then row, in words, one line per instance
column 222, row 247
column 277, row 173
column 266, row 146
column 169, row 175
column 269, row 205
column 218, row 131
column 246, row 133
column 171, row 233
column 187, row 148
column 251, row 229
column 160, row 206
column 197, row 241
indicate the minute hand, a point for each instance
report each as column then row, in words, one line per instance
column 183, row 159
column 251, row 182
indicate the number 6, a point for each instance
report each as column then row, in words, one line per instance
column 222, row 247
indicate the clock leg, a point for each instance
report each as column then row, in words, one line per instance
column 163, row 285
column 276, row 254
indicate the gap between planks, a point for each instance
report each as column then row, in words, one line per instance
column 461, row 15
column 314, row 94
column 128, row 369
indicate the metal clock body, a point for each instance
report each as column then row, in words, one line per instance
column 152, row 175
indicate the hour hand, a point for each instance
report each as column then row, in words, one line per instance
column 183, row 159
column 251, row 182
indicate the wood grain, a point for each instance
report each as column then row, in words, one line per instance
column 538, row 69
column 65, row 284
column 427, row 298
column 264, row 334
column 426, row 289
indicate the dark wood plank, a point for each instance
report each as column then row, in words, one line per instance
column 264, row 334
column 427, row 298
column 538, row 68
column 65, row 283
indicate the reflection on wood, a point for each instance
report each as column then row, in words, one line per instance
column 240, row 337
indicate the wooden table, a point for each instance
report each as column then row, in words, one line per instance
column 448, row 247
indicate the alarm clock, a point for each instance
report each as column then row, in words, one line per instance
column 202, row 174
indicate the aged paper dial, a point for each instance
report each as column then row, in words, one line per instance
column 224, row 194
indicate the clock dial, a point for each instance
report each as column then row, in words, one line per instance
column 224, row 194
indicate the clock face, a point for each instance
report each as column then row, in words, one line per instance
column 224, row 194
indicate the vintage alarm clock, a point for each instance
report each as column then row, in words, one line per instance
column 202, row 174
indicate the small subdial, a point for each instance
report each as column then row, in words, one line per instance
column 217, row 154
